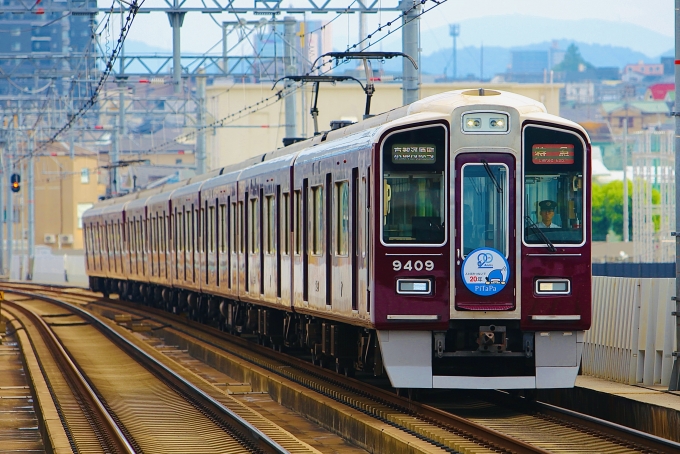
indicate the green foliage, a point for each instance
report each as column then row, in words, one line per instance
column 607, row 206
column 607, row 209
column 572, row 60
column 601, row 222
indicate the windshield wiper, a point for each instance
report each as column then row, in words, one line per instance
column 540, row 233
column 487, row 167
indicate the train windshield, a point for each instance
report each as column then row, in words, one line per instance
column 413, row 186
column 485, row 207
column 553, row 187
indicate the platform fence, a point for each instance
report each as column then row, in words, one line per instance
column 632, row 336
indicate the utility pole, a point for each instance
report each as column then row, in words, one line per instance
column 625, row 177
column 410, row 44
column 454, row 31
column 290, row 69
column 30, row 186
column 200, row 123
column 675, row 374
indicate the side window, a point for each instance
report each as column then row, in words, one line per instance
column 211, row 229
column 223, row 228
column 298, row 222
column 241, row 230
column 179, row 222
column 153, row 234
column 139, row 235
column 341, row 203
column 232, row 228
column 270, row 246
column 284, row 223
column 254, row 224
column 317, row 220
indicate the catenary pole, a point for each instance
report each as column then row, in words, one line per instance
column 625, row 177
column 200, row 123
column 10, row 207
column 675, row 374
column 410, row 43
column 290, row 69
column 30, row 186
column 176, row 20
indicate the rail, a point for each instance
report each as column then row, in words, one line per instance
column 239, row 428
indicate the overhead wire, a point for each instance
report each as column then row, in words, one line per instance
column 281, row 94
column 125, row 29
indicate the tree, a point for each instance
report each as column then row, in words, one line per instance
column 572, row 61
column 601, row 222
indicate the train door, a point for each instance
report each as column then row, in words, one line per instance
column 485, row 226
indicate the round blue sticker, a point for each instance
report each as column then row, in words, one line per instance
column 485, row 271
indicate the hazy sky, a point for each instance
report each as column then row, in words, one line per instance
column 199, row 32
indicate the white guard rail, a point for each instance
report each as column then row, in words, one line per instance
column 632, row 336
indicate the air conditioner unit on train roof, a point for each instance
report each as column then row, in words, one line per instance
column 50, row 238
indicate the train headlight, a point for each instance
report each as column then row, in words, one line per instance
column 473, row 123
column 497, row 123
column 485, row 123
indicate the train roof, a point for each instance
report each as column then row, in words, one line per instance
column 360, row 134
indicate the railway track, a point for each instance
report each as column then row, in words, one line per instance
column 108, row 402
column 462, row 426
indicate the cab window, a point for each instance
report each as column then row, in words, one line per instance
column 553, row 187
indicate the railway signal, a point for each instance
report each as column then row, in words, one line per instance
column 15, row 182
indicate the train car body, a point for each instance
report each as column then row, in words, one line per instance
column 445, row 243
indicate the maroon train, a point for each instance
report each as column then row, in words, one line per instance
column 445, row 243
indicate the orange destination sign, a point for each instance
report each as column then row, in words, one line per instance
column 552, row 154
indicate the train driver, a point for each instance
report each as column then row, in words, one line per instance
column 547, row 211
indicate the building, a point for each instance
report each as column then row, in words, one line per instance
column 658, row 92
column 639, row 115
column 46, row 42
column 644, row 69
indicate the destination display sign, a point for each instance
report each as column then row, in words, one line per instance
column 414, row 154
column 552, row 154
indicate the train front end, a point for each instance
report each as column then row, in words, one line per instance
column 482, row 255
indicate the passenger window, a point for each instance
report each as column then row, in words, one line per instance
column 271, row 221
column 317, row 220
column 341, row 202
column 285, row 227
column 232, row 228
column 211, row 229
column 298, row 222
column 254, row 246
column 241, row 230
column 180, row 231
column 223, row 228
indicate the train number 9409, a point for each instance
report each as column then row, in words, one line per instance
column 417, row 265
